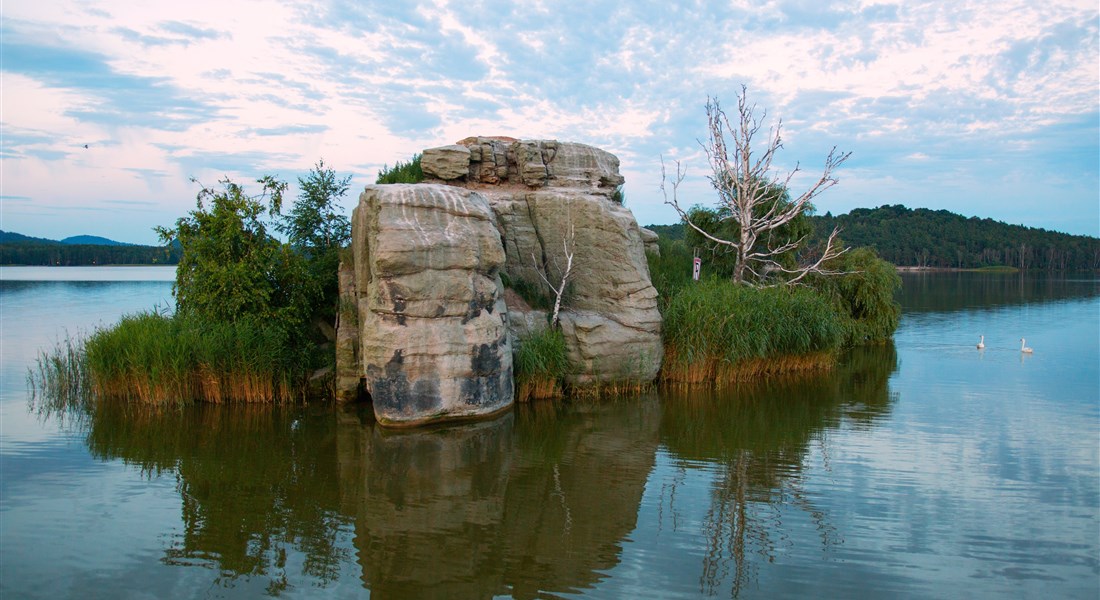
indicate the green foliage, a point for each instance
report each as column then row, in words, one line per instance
column 231, row 269
column 721, row 258
column 671, row 270
column 317, row 232
column 864, row 296
column 668, row 232
column 619, row 196
column 534, row 294
column 162, row 359
column 402, row 172
column 539, row 364
column 716, row 319
column 939, row 238
column 541, row 354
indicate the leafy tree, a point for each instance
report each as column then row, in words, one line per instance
column 231, row 269
column 863, row 295
column 317, row 231
column 717, row 222
column 401, row 172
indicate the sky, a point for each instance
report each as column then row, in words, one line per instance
column 987, row 108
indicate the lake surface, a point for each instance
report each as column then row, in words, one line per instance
column 920, row 469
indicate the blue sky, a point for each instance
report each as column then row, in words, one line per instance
column 981, row 107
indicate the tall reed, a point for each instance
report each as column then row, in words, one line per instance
column 717, row 331
column 540, row 362
column 159, row 359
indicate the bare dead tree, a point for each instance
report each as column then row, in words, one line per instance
column 569, row 243
column 745, row 184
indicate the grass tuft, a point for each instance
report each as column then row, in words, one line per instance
column 540, row 363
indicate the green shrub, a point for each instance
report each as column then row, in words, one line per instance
column 402, row 172
column 863, row 297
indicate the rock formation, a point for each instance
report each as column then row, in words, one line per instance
column 427, row 279
column 432, row 331
column 542, row 190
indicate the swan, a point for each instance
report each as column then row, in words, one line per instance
column 981, row 343
column 1024, row 348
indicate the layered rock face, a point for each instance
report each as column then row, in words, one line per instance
column 432, row 333
column 544, row 192
column 433, row 326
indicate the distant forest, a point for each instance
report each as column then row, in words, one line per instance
column 938, row 238
column 17, row 249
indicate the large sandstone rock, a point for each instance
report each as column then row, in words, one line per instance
column 433, row 340
column 609, row 316
column 435, row 334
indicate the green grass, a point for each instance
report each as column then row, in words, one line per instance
column 540, row 363
column 715, row 331
column 159, row 359
column 997, row 269
column 720, row 331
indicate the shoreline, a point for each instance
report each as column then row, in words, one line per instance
column 905, row 269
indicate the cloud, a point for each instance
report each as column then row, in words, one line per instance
column 939, row 102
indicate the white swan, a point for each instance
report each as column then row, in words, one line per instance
column 1024, row 348
column 981, row 343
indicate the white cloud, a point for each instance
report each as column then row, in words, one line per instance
column 273, row 86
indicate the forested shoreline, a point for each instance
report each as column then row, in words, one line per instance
column 945, row 240
column 73, row 255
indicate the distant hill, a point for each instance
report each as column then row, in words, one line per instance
column 92, row 240
column 19, row 249
column 10, row 237
column 940, row 238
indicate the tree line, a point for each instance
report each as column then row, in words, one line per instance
column 71, row 255
column 939, row 238
column 922, row 237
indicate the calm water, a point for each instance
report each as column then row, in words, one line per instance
column 922, row 469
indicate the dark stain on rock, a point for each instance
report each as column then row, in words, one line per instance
column 394, row 397
column 485, row 386
column 399, row 302
column 477, row 304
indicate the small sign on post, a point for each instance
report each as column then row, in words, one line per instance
column 697, row 263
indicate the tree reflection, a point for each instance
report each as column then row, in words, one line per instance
column 758, row 436
column 256, row 483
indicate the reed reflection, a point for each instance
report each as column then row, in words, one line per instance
column 280, row 498
column 757, row 437
column 256, row 483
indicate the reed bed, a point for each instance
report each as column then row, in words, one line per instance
column 158, row 359
column 718, row 332
column 59, row 378
column 540, row 362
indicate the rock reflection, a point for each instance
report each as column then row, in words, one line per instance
column 758, row 437
column 537, row 501
column 279, row 498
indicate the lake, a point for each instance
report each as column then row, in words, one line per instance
column 924, row 469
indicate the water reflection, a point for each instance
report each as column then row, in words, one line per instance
column 537, row 501
column 949, row 292
column 255, row 483
column 755, row 439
